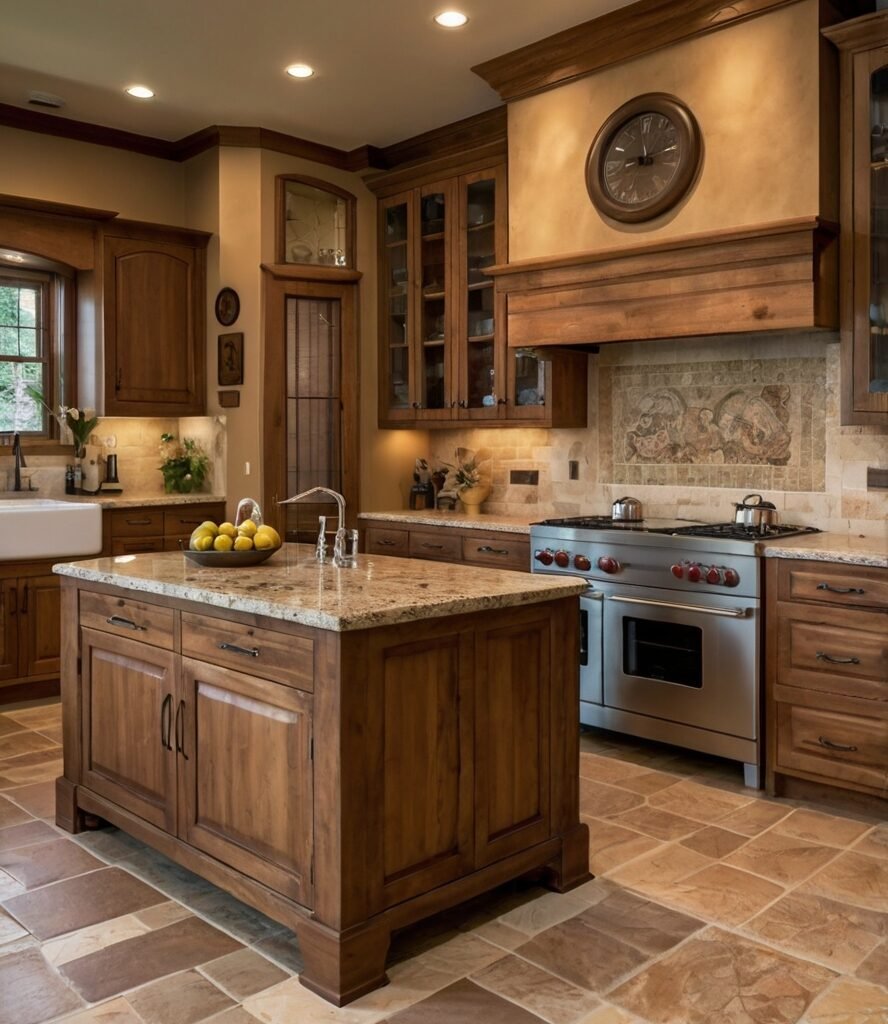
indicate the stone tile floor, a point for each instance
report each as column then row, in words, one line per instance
column 710, row 903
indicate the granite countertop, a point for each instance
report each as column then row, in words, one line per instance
column 434, row 517
column 292, row 586
column 831, row 547
column 126, row 500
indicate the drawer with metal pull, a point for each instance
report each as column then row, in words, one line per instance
column 500, row 550
column 138, row 620
column 181, row 522
column 847, row 586
column 281, row 657
column 378, row 541
column 442, row 545
column 137, row 522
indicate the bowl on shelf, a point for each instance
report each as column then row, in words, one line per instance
column 481, row 326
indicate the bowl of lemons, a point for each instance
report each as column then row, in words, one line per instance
column 230, row 546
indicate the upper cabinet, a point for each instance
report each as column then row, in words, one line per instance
column 314, row 222
column 444, row 358
column 154, row 299
column 863, row 44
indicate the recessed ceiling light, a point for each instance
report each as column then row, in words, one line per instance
column 300, row 71
column 141, row 92
column 451, row 19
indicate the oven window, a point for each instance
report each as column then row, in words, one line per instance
column 663, row 650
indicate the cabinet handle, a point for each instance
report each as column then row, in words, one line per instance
column 844, row 747
column 417, row 405
column 386, row 543
column 840, row 590
column 180, row 729
column 24, row 608
column 821, row 656
column 463, row 404
column 432, row 547
column 166, row 721
column 138, row 522
column 119, row 620
column 13, row 605
column 502, row 401
column 249, row 652
column 118, row 381
column 486, row 549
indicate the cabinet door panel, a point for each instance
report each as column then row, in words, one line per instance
column 8, row 629
column 126, row 722
column 512, row 739
column 245, row 775
column 42, row 625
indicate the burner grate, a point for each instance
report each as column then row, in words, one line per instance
column 735, row 531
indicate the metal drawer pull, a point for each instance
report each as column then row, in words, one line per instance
column 385, row 543
column 166, row 721
column 846, row 748
column 138, row 522
column 249, row 652
column 119, row 620
column 821, row 656
column 840, row 590
column 486, row 549
column 434, row 547
column 730, row 613
column 180, row 729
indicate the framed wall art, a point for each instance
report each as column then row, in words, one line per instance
column 231, row 359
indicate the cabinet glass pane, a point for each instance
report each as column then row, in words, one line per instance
column 433, row 330
column 397, row 273
column 530, row 378
column 878, row 310
column 480, row 321
column 316, row 227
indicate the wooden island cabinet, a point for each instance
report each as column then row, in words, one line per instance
column 348, row 750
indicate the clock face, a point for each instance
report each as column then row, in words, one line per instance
column 644, row 158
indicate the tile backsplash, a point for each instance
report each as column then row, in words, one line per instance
column 690, row 426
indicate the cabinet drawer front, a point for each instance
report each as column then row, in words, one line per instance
column 846, row 586
column 181, row 522
column 386, row 542
column 501, row 550
column 260, row 652
column 440, row 544
column 853, row 748
column 834, row 659
column 137, row 546
column 138, row 620
column 137, row 522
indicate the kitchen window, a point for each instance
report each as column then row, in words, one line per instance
column 36, row 317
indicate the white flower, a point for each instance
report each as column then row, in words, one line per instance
column 74, row 413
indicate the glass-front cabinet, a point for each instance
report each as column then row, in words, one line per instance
column 863, row 43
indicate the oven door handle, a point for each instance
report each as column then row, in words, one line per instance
column 729, row 613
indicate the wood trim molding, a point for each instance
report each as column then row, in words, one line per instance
column 469, row 133
column 859, row 34
column 56, row 209
column 779, row 276
column 159, row 232
column 390, row 183
column 618, row 36
column 310, row 272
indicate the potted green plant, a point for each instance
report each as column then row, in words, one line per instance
column 185, row 464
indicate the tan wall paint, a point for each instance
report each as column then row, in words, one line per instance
column 754, row 91
column 80, row 173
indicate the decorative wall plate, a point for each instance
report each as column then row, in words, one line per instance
column 227, row 306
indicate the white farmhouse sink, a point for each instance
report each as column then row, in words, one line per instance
column 43, row 528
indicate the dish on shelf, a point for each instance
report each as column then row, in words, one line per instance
column 229, row 559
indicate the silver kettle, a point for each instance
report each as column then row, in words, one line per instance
column 627, row 510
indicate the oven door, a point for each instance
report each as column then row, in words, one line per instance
column 590, row 653
column 686, row 658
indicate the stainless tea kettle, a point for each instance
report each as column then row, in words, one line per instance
column 757, row 515
column 627, row 510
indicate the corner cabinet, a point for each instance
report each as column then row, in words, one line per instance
column 154, row 301
column 444, row 360
column 863, row 46
column 30, row 629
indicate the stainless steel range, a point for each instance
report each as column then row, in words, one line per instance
column 671, row 627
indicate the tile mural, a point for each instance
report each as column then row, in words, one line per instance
column 734, row 423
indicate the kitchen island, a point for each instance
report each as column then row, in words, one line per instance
column 348, row 750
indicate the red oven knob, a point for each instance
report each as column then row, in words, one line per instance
column 608, row 564
column 544, row 557
column 678, row 571
column 713, row 575
column 695, row 573
column 582, row 563
column 732, row 577
column 562, row 559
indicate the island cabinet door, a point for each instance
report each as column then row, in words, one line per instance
column 512, row 742
column 128, row 694
column 8, row 630
column 245, row 775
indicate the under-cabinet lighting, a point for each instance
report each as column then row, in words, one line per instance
column 13, row 257
column 451, row 19
column 300, row 71
column 141, row 92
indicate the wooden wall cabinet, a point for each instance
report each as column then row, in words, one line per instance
column 30, row 626
column 827, row 676
column 444, row 360
column 154, row 306
column 495, row 549
column 863, row 46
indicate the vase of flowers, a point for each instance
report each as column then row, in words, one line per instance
column 471, row 486
column 185, row 464
column 81, row 423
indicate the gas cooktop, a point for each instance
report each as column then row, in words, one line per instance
column 680, row 527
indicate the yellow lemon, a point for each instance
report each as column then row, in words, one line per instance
column 208, row 524
column 223, row 542
column 228, row 529
column 271, row 533
column 243, row 543
column 263, row 542
column 200, row 532
column 247, row 528
column 202, row 543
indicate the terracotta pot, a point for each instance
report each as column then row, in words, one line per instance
column 473, row 497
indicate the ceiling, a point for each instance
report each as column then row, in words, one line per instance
column 385, row 70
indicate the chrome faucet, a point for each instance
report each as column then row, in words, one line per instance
column 341, row 556
column 20, row 463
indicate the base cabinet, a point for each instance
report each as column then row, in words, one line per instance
column 30, row 630
column 372, row 779
column 495, row 549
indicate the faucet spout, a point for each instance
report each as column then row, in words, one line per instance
column 20, row 463
column 321, row 548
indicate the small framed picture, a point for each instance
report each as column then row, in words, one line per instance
column 229, row 399
column 231, row 359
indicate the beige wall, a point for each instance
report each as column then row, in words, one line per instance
column 754, row 91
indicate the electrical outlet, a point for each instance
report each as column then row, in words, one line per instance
column 573, row 469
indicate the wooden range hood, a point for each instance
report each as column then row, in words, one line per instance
column 780, row 276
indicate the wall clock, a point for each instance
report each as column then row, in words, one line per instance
column 227, row 306
column 644, row 158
